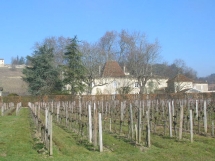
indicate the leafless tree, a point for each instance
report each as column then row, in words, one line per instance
column 171, row 70
column 182, row 68
column 93, row 61
column 130, row 49
column 108, row 45
column 59, row 47
column 142, row 55
column 126, row 44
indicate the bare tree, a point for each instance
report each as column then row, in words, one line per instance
column 17, row 61
column 108, row 45
column 179, row 67
column 126, row 43
column 142, row 55
column 130, row 50
column 93, row 60
column 58, row 44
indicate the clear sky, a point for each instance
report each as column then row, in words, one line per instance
column 184, row 28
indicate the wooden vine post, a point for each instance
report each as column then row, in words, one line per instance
column 90, row 123
column 148, row 139
column 46, row 127
column 212, row 130
column 191, row 126
column 205, row 117
column 139, row 123
column 100, row 134
column 131, row 122
column 197, row 113
column 121, row 116
column 181, row 122
column 95, row 124
column 50, row 134
column 170, row 121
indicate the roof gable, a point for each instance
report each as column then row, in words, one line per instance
column 112, row 69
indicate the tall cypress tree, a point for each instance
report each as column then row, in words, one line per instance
column 74, row 70
column 42, row 75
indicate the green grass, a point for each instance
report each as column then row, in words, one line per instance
column 18, row 143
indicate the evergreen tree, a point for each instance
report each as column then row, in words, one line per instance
column 42, row 75
column 22, row 60
column 74, row 70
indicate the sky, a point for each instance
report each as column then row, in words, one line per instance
column 185, row 29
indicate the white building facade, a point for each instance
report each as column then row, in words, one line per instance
column 1, row 62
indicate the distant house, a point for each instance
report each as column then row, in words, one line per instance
column 1, row 62
column 201, row 86
column 181, row 83
column 114, row 80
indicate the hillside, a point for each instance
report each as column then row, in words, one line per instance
column 11, row 81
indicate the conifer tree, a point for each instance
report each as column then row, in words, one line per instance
column 74, row 70
column 42, row 75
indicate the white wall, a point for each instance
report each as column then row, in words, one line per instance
column 203, row 87
column 112, row 84
column 1, row 62
column 183, row 85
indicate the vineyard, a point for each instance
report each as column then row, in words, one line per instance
column 103, row 125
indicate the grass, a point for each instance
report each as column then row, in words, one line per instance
column 18, row 143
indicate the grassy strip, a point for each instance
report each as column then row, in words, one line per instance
column 15, row 138
column 11, row 111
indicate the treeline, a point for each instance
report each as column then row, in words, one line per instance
column 177, row 67
column 18, row 60
column 59, row 61
column 210, row 79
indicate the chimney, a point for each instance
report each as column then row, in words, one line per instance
column 124, row 71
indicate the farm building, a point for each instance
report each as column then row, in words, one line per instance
column 115, row 80
column 181, row 83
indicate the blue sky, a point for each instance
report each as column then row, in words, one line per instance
column 184, row 28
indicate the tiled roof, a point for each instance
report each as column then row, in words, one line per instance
column 112, row 69
column 180, row 78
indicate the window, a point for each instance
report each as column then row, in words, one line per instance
column 115, row 84
column 136, row 84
